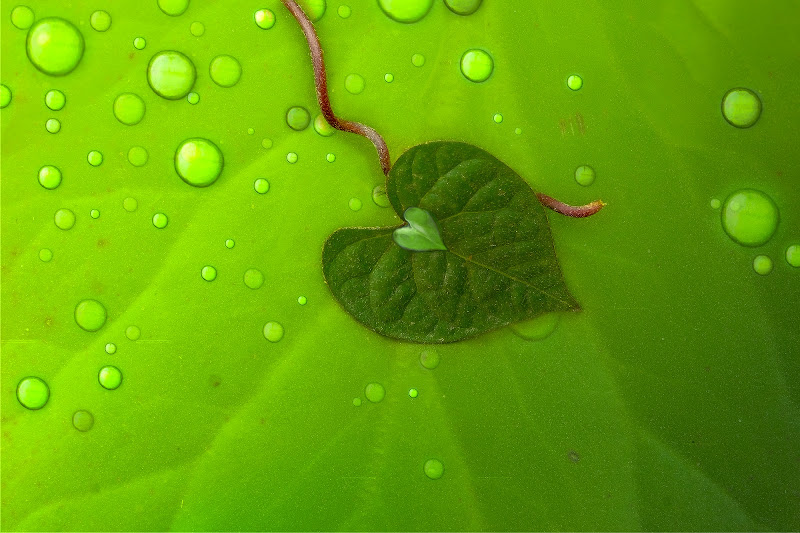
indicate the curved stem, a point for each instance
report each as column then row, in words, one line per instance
column 574, row 211
column 321, row 83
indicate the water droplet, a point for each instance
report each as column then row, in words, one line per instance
column 354, row 83
column 53, row 125
column 22, row 17
column 388, row 77
column 741, row 107
column 429, row 358
column 193, row 98
column 83, row 420
column 45, row 254
column 537, row 328
column 463, row 7
column 110, row 377
column 171, row 74
column 261, row 186
column 208, row 273
column 198, row 162
column 33, row 393
column 715, row 203
column 413, row 393
column 230, row 243
column 575, row 82
column 137, row 156
column 265, row 19
column 298, row 118
column 111, row 348
column 225, row 70
column 139, row 43
column 418, row 60
column 375, row 392
column 302, row 300
column 129, row 108
column 477, row 65
column 130, row 204
column 94, row 213
column 344, row 11
column 49, row 177
column 197, row 28
column 64, row 219
column 762, row 265
column 380, row 197
column 253, row 278
column 100, row 20
column 5, row 96
column 160, row 220
column 498, row 118
column 330, row 158
column 173, row 8
column 95, row 158
column 584, row 175
column 357, row 402
column 793, row 255
column 266, row 144
column 322, row 127
column 433, row 468
column 355, row 204
column 90, row 315
column 133, row 333
column 250, row 131
column 55, row 100
column 518, row 131
column 749, row 217
column 406, row 10
column 55, row 46
column 314, row 8
column 273, row 331
column 291, row 157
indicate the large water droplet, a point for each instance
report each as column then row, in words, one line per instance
column 463, row 7
column 83, row 420
column 762, row 264
column 793, row 255
column 433, row 468
column 374, row 392
column 575, row 82
column 322, row 127
column 64, row 219
column 137, row 156
column 133, row 333
column 354, row 83
column 171, row 74
column 298, row 118
column 261, row 186
column 537, row 328
column 253, row 278
column 225, row 70
column 265, row 19
column 49, row 177
column 160, row 220
column 54, row 46
column 741, row 107
column 5, row 96
column 100, row 20
column 380, row 197
column 749, row 217
column 22, row 17
column 33, row 393
column 208, row 273
column 55, row 100
column 273, row 331
column 173, row 8
column 110, row 377
column 52, row 125
column 95, row 158
column 584, row 175
column 198, row 162
column 477, row 65
column 129, row 108
column 90, row 315
column 406, row 10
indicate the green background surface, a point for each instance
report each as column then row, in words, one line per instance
column 669, row 402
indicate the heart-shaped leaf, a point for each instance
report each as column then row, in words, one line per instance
column 499, row 265
column 421, row 234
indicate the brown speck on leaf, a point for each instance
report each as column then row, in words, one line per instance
column 102, row 243
column 215, row 381
column 581, row 123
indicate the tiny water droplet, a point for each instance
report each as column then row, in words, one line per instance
column 291, row 157
column 261, row 186
column 302, row 300
column 741, row 107
column 111, row 348
column 715, row 203
column 171, row 74
column 518, row 131
column 355, row 204
column 160, row 220
column 129, row 108
column 173, row 8
column 265, row 18
column 762, row 264
column 197, row 28
column 100, row 20
column 95, row 158
column 90, row 315
column 357, row 402
column 53, row 125
column 49, row 177
column 130, row 204
column 330, row 158
column 64, row 219
column 230, row 243
column 793, row 255
column 298, row 118
column 406, row 11
column 477, row 65
column 322, row 127
column 463, row 7
column 375, row 392
column 110, row 377
column 253, row 278
column 137, row 156
column 380, row 197
column 429, row 358
column 749, row 217
column 22, row 17
column 344, row 11
column 193, row 98
column 418, row 60
column 208, row 273
column 54, row 46
column 584, row 175
column 198, row 162
column 83, row 420
column 94, row 213
column 45, row 254
column 55, row 100
column 33, row 393
column 225, row 70
column 498, row 118
column 5, row 96
column 575, row 82
column 537, row 328
column 354, row 83
column 139, row 43
column 273, row 331
column 433, row 468
column 133, row 333
column 266, row 144
column 388, row 77
column 413, row 393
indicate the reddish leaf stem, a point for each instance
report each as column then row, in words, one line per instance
column 574, row 211
column 321, row 82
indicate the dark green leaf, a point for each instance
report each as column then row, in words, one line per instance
column 499, row 267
